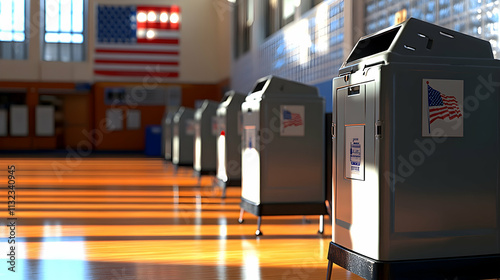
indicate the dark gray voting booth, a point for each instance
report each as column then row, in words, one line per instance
column 182, row 140
column 204, row 161
column 283, row 150
column 229, row 140
column 168, row 128
column 416, row 156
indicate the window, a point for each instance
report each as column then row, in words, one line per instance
column 272, row 17
column 64, row 30
column 288, row 11
column 279, row 13
column 244, row 20
column 282, row 12
column 13, row 39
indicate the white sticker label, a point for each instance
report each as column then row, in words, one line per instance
column 442, row 108
column 292, row 120
column 355, row 152
column 190, row 127
column 114, row 119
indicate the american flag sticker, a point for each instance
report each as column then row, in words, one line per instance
column 442, row 108
column 292, row 120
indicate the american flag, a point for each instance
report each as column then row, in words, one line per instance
column 134, row 42
column 442, row 106
column 291, row 119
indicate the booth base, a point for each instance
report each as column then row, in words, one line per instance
column 184, row 164
column 223, row 185
column 475, row 267
column 278, row 209
column 198, row 173
column 233, row 183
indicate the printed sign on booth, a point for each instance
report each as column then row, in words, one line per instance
column 355, row 152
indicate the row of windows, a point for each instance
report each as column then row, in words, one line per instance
column 278, row 13
column 63, row 25
column 479, row 18
column 458, row 5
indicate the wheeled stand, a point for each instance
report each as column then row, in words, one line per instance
column 278, row 209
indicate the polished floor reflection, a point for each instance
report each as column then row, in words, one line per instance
column 132, row 218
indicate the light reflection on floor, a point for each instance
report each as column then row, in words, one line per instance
column 133, row 218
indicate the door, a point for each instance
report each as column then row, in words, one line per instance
column 355, row 179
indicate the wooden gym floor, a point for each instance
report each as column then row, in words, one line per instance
column 132, row 218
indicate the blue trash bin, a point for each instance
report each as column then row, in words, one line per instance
column 153, row 140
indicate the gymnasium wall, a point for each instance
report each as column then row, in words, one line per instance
column 310, row 49
column 204, row 66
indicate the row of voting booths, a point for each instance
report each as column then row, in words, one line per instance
column 409, row 167
column 197, row 138
column 271, row 142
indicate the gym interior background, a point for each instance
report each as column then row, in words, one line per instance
column 78, row 88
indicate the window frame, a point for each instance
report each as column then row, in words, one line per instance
column 286, row 20
column 274, row 10
column 59, row 45
column 13, row 44
column 242, row 32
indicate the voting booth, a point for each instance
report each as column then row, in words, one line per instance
column 229, row 140
column 283, row 150
column 416, row 155
column 205, row 138
column 168, row 129
column 183, row 135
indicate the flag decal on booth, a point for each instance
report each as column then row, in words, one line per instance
column 442, row 108
column 292, row 120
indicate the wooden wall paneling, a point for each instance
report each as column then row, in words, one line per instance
column 133, row 140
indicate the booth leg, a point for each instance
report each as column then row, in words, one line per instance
column 329, row 270
column 321, row 224
column 223, row 192
column 240, row 219
column 215, row 186
column 259, row 222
